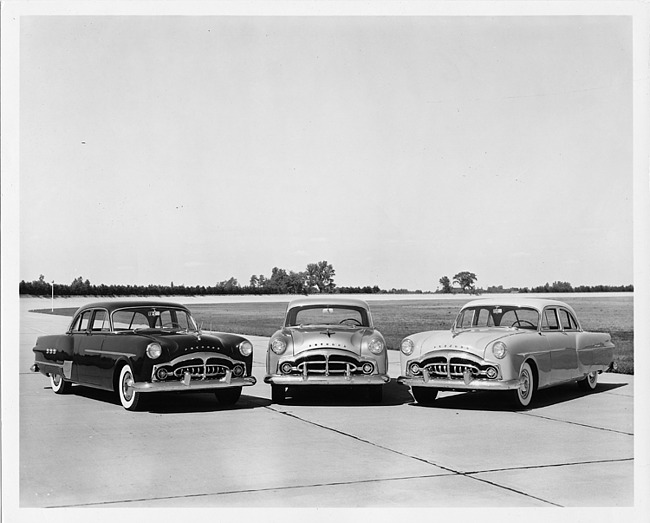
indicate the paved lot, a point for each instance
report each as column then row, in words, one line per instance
column 333, row 450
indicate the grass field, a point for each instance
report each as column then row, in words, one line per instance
column 399, row 318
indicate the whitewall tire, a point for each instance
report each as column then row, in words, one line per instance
column 523, row 396
column 589, row 382
column 59, row 385
column 129, row 397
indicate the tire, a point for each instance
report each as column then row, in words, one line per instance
column 277, row 393
column 228, row 396
column 129, row 398
column 523, row 396
column 59, row 385
column 376, row 393
column 424, row 395
column 589, row 382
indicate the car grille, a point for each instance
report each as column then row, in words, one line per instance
column 204, row 368
column 453, row 368
column 327, row 365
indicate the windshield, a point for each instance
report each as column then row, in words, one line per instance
column 160, row 318
column 497, row 316
column 328, row 315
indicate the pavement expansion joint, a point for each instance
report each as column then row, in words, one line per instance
column 533, row 415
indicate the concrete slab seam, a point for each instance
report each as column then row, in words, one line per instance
column 575, row 423
column 551, row 465
column 451, row 471
column 251, row 491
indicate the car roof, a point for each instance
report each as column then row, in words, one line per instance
column 113, row 305
column 535, row 303
column 326, row 300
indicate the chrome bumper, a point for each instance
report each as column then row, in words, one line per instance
column 373, row 379
column 188, row 384
column 438, row 383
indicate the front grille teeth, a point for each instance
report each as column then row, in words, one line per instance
column 327, row 365
column 454, row 368
column 206, row 367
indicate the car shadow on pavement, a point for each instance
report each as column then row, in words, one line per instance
column 351, row 396
column 172, row 402
column 500, row 401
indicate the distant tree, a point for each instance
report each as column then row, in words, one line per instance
column 466, row 281
column 297, row 282
column 446, row 284
column 321, row 276
column 229, row 286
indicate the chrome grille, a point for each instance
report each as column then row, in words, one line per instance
column 327, row 365
column 453, row 368
column 201, row 371
column 205, row 367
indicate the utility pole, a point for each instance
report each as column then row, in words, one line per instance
column 52, row 284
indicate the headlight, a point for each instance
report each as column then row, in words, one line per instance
column 499, row 349
column 246, row 348
column 278, row 345
column 407, row 347
column 154, row 350
column 376, row 346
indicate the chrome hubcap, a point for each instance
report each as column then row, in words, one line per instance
column 127, row 391
column 525, row 384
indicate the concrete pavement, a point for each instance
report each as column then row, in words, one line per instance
column 332, row 450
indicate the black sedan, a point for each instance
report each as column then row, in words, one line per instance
column 138, row 347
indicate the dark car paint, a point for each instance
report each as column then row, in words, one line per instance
column 93, row 358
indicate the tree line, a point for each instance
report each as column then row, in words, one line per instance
column 316, row 278
column 466, row 283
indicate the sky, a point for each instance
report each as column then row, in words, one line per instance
column 401, row 149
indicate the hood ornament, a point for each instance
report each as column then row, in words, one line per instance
column 328, row 332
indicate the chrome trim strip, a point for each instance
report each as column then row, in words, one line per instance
column 175, row 386
column 376, row 379
column 437, row 383
column 109, row 353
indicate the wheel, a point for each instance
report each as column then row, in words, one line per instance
column 59, row 385
column 523, row 396
column 424, row 395
column 589, row 382
column 376, row 393
column 277, row 393
column 129, row 398
column 228, row 396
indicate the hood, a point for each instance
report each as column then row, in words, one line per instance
column 335, row 337
column 177, row 344
column 474, row 341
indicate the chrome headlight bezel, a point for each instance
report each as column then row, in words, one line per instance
column 245, row 348
column 407, row 346
column 376, row 346
column 278, row 346
column 499, row 349
column 154, row 350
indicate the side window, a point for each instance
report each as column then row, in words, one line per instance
column 82, row 322
column 100, row 321
column 550, row 322
column 568, row 321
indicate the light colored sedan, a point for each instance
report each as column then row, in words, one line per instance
column 517, row 344
column 327, row 340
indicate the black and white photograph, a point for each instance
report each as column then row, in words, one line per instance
column 315, row 260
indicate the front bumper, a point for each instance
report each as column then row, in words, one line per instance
column 456, row 384
column 190, row 384
column 291, row 380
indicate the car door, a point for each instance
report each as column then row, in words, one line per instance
column 88, row 335
column 561, row 345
